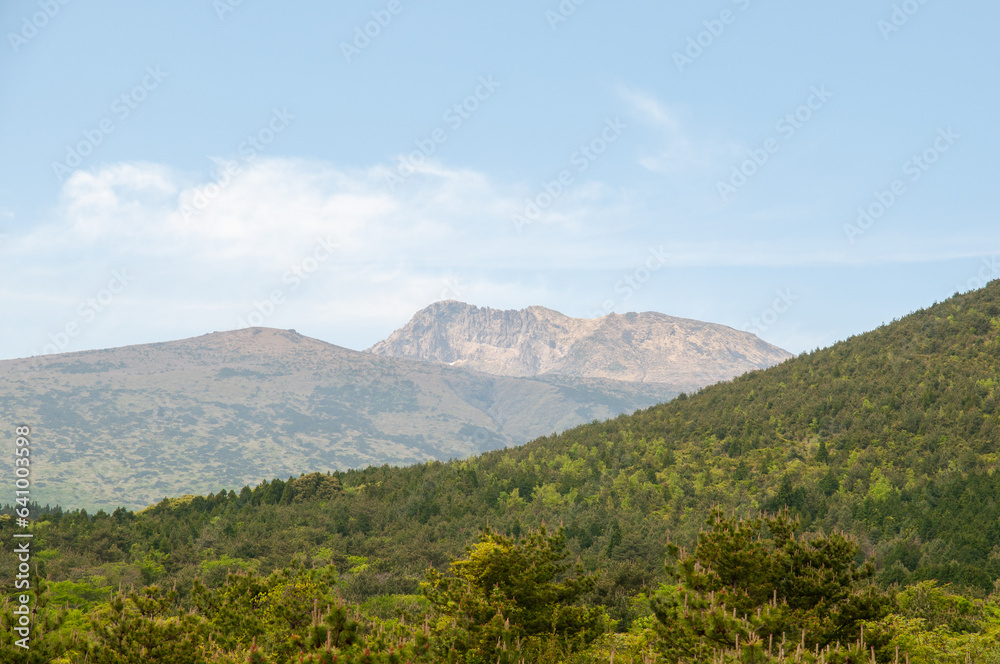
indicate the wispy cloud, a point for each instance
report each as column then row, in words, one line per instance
column 680, row 149
column 445, row 234
column 204, row 254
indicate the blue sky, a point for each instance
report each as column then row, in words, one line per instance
column 806, row 171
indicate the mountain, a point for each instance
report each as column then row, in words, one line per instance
column 127, row 426
column 642, row 347
column 892, row 437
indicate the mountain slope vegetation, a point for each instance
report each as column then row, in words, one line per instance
column 890, row 437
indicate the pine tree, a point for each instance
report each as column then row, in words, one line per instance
column 755, row 579
column 509, row 594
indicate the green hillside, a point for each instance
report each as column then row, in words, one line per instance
column 891, row 437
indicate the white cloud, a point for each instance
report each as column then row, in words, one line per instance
column 680, row 150
column 203, row 254
column 445, row 234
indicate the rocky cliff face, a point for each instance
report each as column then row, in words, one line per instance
column 648, row 347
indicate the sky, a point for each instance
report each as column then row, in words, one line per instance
column 802, row 171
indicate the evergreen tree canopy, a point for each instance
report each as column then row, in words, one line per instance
column 508, row 589
column 756, row 580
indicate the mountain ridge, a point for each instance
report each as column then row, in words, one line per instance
column 641, row 347
column 135, row 423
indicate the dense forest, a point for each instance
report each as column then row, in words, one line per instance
column 840, row 507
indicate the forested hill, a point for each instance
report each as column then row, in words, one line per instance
column 891, row 435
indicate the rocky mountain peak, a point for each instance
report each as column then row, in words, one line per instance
column 643, row 347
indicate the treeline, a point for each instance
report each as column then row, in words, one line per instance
column 752, row 590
